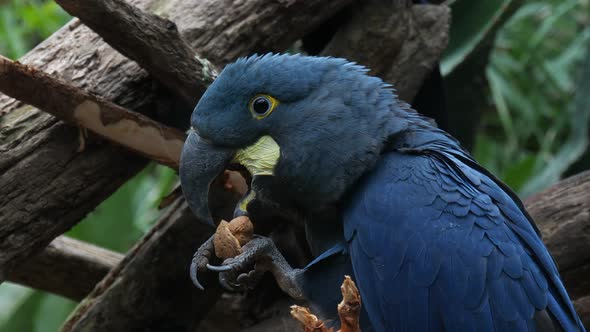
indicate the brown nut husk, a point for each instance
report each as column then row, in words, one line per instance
column 231, row 236
column 242, row 228
column 225, row 243
column 349, row 311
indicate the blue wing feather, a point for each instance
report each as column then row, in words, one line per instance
column 437, row 243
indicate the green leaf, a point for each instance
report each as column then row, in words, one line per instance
column 156, row 185
column 13, row 34
column 518, row 172
column 23, row 24
column 11, row 298
column 52, row 311
column 474, row 22
column 497, row 86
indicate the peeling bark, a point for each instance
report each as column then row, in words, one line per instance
column 132, row 130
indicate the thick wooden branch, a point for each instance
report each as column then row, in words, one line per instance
column 132, row 130
column 399, row 42
column 150, row 290
column 67, row 267
column 46, row 186
column 562, row 212
column 151, row 41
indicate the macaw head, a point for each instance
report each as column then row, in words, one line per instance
column 313, row 124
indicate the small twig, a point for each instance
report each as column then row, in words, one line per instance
column 67, row 267
column 75, row 106
column 151, row 41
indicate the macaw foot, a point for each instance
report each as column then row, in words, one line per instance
column 243, row 271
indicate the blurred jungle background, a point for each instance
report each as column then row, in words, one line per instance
column 530, row 125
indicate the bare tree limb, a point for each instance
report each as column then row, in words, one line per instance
column 132, row 130
column 67, row 267
column 151, row 41
column 150, row 290
column 399, row 42
column 562, row 213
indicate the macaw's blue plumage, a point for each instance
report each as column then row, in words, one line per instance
column 438, row 244
column 433, row 240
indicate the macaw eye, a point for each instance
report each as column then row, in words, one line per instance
column 262, row 105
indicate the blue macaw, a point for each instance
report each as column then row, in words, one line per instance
column 433, row 240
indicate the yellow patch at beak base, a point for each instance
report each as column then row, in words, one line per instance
column 259, row 158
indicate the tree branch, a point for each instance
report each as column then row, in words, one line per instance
column 151, row 41
column 67, row 267
column 561, row 212
column 399, row 42
column 132, row 130
column 150, row 289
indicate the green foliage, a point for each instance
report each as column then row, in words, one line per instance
column 536, row 131
column 25, row 23
column 473, row 23
column 533, row 130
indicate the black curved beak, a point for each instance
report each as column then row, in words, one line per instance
column 200, row 163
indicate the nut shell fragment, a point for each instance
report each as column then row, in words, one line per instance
column 231, row 236
column 225, row 243
column 242, row 229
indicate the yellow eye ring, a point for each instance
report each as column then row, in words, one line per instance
column 262, row 105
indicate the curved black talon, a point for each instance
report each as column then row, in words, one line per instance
column 200, row 261
column 193, row 273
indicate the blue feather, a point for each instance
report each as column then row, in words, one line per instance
column 465, row 258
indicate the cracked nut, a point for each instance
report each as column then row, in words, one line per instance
column 231, row 236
